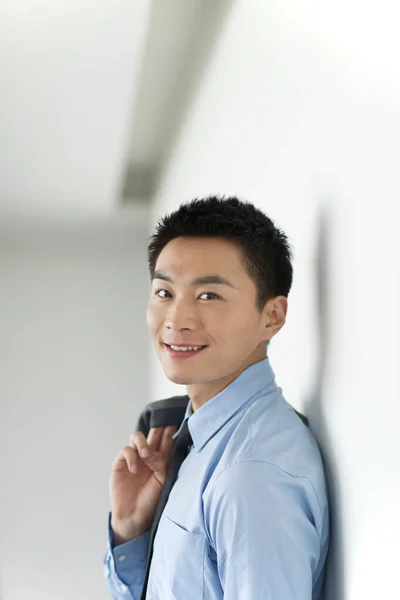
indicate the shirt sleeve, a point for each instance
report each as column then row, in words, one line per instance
column 125, row 566
column 262, row 524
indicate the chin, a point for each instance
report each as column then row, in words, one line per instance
column 178, row 378
column 179, row 381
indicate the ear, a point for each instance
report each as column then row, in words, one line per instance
column 274, row 314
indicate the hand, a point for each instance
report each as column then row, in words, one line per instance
column 137, row 477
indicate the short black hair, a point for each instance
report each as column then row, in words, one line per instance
column 267, row 254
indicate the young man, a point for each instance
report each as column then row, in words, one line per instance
column 247, row 516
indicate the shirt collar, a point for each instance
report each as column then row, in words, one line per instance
column 213, row 415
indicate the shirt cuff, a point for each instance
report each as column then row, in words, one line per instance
column 128, row 561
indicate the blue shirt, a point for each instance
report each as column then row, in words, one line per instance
column 247, row 518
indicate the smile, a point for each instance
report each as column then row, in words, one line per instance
column 183, row 351
column 185, row 348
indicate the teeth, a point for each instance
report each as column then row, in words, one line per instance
column 185, row 348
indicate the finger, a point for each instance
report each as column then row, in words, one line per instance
column 167, row 441
column 126, row 458
column 156, row 463
column 138, row 442
column 137, row 439
column 154, row 437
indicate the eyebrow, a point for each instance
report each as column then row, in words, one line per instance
column 204, row 280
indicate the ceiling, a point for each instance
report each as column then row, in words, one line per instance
column 92, row 96
column 68, row 73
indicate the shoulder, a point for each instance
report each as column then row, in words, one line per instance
column 272, row 451
column 279, row 437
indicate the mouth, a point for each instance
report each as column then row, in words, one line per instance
column 179, row 351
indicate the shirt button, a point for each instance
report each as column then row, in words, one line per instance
column 123, row 587
column 122, row 557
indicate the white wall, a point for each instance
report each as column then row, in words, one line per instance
column 73, row 379
column 300, row 113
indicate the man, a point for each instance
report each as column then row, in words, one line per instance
column 245, row 515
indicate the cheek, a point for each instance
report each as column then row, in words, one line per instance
column 240, row 327
column 152, row 318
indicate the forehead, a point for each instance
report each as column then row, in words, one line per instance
column 201, row 255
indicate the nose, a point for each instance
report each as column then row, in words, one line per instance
column 181, row 316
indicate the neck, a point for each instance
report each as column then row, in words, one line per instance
column 201, row 393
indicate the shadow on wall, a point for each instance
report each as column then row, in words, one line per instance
column 314, row 409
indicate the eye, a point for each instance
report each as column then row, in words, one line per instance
column 162, row 293
column 211, row 296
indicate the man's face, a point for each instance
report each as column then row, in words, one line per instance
column 202, row 297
